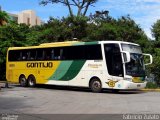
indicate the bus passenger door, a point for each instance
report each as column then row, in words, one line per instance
column 114, row 64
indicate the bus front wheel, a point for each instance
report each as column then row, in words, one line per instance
column 23, row 81
column 96, row 85
column 31, row 81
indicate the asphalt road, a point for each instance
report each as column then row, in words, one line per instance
column 62, row 100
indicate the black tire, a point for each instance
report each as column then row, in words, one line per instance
column 23, row 81
column 31, row 81
column 96, row 85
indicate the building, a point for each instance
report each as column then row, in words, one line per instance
column 13, row 17
column 27, row 16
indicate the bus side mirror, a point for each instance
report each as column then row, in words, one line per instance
column 126, row 56
column 150, row 59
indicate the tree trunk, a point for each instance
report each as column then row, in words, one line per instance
column 69, row 7
column 85, row 11
column 79, row 11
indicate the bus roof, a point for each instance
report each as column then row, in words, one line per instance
column 58, row 43
column 70, row 43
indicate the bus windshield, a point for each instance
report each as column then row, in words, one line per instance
column 135, row 67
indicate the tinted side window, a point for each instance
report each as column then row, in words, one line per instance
column 47, row 54
column 89, row 52
column 93, row 52
column 39, row 54
column 14, row 55
column 17, row 55
column 83, row 52
column 25, row 55
column 32, row 54
column 73, row 53
column 57, row 53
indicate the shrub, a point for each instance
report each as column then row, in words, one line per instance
column 151, row 85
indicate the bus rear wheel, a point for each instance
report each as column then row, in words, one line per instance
column 96, row 85
column 23, row 81
column 31, row 81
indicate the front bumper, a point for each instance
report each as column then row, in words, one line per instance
column 124, row 84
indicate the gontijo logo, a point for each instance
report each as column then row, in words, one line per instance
column 111, row 83
column 40, row 65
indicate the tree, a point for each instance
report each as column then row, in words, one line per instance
column 156, row 30
column 56, row 30
column 76, row 26
column 130, row 31
column 104, row 27
column 11, row 35
column 53, row 31
column 155, row 67
column 82, row 5
column 3, row 17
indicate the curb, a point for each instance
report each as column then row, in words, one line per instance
column 151, row 90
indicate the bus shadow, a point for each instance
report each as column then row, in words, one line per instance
column 66, row 88
column 127, row 92
column 82, row 89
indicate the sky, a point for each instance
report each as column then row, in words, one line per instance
column 144, row 12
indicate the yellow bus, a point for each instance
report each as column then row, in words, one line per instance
column 114, row 65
